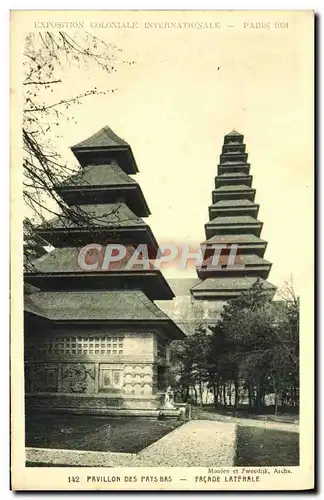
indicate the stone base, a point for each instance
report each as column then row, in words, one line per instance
column 169, row 413
column 99, row 405
column 185, row 410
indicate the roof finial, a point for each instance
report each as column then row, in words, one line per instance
column 233, row 132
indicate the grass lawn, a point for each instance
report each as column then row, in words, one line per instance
column 209, row 412
column 85, row 432
column 263, row 447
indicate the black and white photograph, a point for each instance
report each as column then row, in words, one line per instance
column 162, row 193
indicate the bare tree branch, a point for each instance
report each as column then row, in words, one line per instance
column 46, row 56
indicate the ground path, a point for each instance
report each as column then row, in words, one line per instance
column 206, row 441
column 203, row 443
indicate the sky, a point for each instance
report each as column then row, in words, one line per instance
column 186, row 90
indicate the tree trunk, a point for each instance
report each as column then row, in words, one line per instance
column 224, row 394
column 219, row 393
column 251, row 398
column 229, row 392
column 208, row 391
column 215, row 390
column 276, row 403
column 276, row 396
column 195, row 393
column 237, row 400
column 200, row 393
column 282, row 399
column 259, row 394
column 258, row 399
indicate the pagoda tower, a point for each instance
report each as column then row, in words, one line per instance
column 234, row 225
column 95, row 342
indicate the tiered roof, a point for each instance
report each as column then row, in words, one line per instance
column 109, row 222
column 106, row 206
column 233, row 207
column 103, row 146
column 97, row 305
column 99, row 184
column 233, row 221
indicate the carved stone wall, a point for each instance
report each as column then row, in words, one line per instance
column 116, row 368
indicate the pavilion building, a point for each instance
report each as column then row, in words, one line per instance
column 233, row 225
column 95, row 342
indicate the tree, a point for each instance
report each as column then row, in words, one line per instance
column 261, row 338
column 286, row 354
column 223, row 370
column 254, row 345
column 47, row 55
column 190, row 359
column 33, row 245
column 245, row 325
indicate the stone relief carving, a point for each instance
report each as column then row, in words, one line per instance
column 137, row 369
column 138, row 379
column 76, row 376
column 41, row 377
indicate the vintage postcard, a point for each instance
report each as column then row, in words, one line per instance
column 162, row 168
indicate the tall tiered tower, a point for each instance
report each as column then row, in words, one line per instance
column 233, row 221
column 94, row 339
